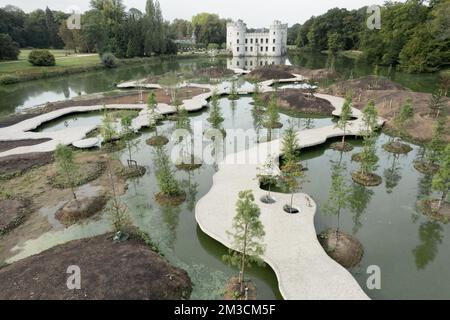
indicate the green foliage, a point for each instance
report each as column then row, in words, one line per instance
column 437, row 144
column 338, row 196
column 183, row 121
column 165, row 175
column 213, row 46
column 209, row 28
column 368, row 156
column 170, row 82
column 118, row 215
column 41, row 58
column 345, row 116
column 9, row 50
column 107, row 129
column 215, row 114
column 248, row 234
column 406, row 114
column 290, row 145
column 66, row 166
column 335, row 43
column 437, row 103
column 234, row 93
column 272, row 116
column 109, row 60
column 267, row 174
column 441, row 181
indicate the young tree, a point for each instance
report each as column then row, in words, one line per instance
column 268, row 176
column 437, row 103
column 312, row 88
column 441, row 181
column 272, row 116
column 127, row 136
column 258, row 102
column 107, row 129
column 291, row 177
column 234, row 95
column 165, row 176
column 170, row 82
column 215, row 114
column 406, row 114
column 248, row 234
column 437, row 144
column 66, row 167
column 344, row 118
column 445, row 83
column 370, row 118
column 290, row 145
column 338, row 198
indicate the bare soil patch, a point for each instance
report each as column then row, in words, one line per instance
column 367, row 179
column 426, row 167
column 342, row 247
column 131, row 172
column 157, row 141
column 170, row 200
column 213, row 72
column 344, row 147
column 396, row 147
column 389, row 97
column 8, row 145
column 13, row 210
column 16, row 165
column 296, row 100
column 111, row 270
column 316, row 74
column 86, row 172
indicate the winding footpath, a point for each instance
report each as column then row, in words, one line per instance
column 303, row 269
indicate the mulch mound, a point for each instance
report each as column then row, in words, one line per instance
column 170, row 200
column 397, row 147
column 131, row 172
column 110, row 270
column 368, row 180
column 426, row 167
column 87, row 172
column 339, row 146
column 8, row 145
column 16, row 165
column 365, row 83
column 295, row 100
column 341, row 247
column 80, row 209
column 269, row 73
column 213, row 72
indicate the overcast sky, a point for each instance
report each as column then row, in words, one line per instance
column 256, row 13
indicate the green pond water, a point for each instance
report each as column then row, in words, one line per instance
column 411, row 250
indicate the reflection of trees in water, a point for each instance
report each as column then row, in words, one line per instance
column 191, row 192
column 233, row 105
column 430, row 235
column 423, row 191
column 171, row 217
column 360, row 197
column 392, row 175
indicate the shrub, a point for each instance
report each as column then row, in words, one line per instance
column 9, row 79
column 213, row 46
column 9, row 50
column 41, row 58
column 109, row 60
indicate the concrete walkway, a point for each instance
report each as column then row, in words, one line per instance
column 303, row 269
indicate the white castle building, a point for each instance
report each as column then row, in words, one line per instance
column 270, row 42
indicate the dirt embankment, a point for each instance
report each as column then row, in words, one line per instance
column 296, row 100
column 316, row 74
column 17, row 165
column 7, row 145
column 213, row 72
column 127, row 270
column 269, row 73
column 389, row 98
column 130, row 97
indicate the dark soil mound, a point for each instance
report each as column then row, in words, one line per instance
column 296, row 100
column 426, row 167
column 16, row 165
column 341, row 247
column 170, row 200
column 110, row 270
column 365, row 83
column 157, row 141
column 316, row 74
column 77, row 210
column 269, row 73
column 339, row 146
column 8, row 145
column 12, row 213
column 132, row 172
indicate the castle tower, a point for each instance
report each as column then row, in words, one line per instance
column 236, row 32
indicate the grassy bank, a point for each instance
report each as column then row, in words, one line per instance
column 67, row 63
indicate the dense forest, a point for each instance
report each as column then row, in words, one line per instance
column 414, row 35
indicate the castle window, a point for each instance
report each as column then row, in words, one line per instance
column 237, row 49
column 237, row 63
column 273, row 49
column 251, row 40
column 262, row 40
column 237, row 41
column 267, row 40
column 246, row 49
column 251, row 49
column 246, row 41
column 274, row 41
column 267, row 49
column 251, row 63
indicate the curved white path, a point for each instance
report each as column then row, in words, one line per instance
column 303, row 269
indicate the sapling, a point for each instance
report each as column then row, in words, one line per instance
column 66, row 167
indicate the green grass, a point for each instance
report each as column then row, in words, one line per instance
column 63, row 60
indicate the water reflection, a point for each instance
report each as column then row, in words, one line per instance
column 392, row 175
column 251, row 63
column 360, row 197
column 430, row 235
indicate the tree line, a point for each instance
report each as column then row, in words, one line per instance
column 414, row 35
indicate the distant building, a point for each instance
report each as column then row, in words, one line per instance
column 270, row 42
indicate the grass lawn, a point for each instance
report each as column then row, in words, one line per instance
column 63, row 60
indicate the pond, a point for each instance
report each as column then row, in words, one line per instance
column 410, row 249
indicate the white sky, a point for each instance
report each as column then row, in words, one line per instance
column 256, row 13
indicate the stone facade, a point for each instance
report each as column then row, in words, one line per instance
column 270, row 42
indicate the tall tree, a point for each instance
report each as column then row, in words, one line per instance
column 441, row 181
